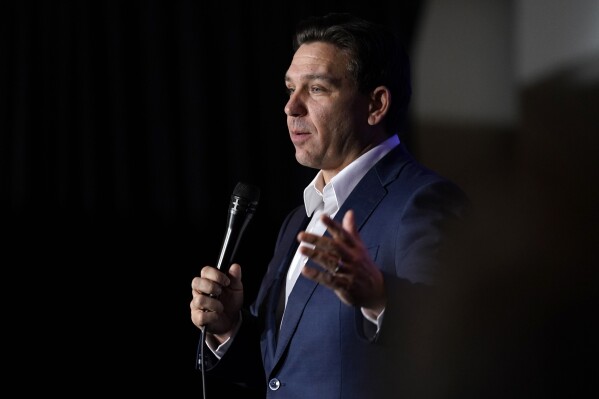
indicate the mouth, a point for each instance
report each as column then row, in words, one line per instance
column 299, row 136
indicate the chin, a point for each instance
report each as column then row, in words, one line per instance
column 304, row 161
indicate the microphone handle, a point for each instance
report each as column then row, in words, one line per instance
column 235, row 228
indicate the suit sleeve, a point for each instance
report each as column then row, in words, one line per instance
column 429, row 221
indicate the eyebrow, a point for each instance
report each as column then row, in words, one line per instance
column 309, row 77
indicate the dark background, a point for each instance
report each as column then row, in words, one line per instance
column 125, row 126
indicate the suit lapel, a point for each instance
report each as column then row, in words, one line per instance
column 276, row 286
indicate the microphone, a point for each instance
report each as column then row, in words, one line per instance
column 244, row 201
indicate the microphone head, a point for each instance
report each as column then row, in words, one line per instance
column 244, row 199
column 247, row 191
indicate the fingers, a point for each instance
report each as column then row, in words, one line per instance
column 349, row 223
column 332, row 252
column 208, row 288
column 343, row 232
column 205, row 311
column 217, row 298
column 215, row 275
column 235, row 277
column 338, row 282
column 348, row 269
column 211, row 282
column 205, row 302
column 339, row 267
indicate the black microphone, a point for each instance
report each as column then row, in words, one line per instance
column 244, row 201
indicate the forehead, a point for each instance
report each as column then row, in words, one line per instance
column 315, row 59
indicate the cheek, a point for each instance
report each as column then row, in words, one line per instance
column 322, row 120
column 328, row 116
column 331, row 121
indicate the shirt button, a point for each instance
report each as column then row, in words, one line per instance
column 274, row 384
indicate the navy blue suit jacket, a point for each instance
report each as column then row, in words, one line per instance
column 326, row 349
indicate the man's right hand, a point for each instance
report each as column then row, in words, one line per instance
column 216, row 301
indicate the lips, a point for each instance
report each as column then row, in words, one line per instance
column 299, row 136
column 299, row 132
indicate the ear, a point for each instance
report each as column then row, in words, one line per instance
column 380, row 100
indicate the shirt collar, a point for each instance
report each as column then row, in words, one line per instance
column 341, row 185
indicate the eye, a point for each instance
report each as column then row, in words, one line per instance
column 316, row 89
column 289, row 90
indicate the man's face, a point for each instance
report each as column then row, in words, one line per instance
column 326, row 115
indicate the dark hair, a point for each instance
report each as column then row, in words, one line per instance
column 377, row 57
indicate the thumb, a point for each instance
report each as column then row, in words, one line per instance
column 235, row 276
column 349, row 222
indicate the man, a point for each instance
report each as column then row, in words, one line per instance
column 332, row 318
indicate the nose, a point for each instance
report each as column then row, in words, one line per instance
column 294, row 106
